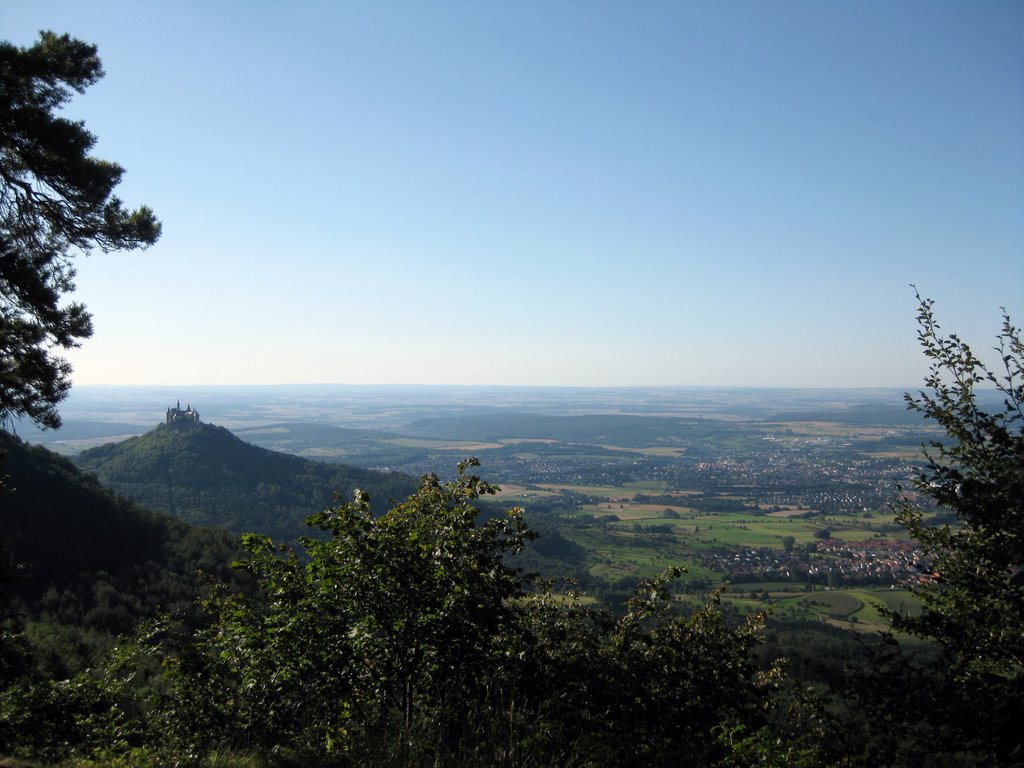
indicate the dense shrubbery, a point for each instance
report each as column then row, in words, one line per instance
column 403, row 639
column 80, row 568
column 407, row 640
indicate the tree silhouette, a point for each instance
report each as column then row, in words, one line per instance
column 56, row 201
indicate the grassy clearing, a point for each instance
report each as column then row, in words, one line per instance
column 507, row 489
column 633, row 511
column 786, row 513
column 853, row 533
column 910, row 455
column 658, row 486
column 519, row 495
column 741, row 535
column 609, row 492
column 746, row 530
column 653, row 451
column 782, row 587
column 856, row 608
column 836, row 603
column 622, row 554
column 898, row 600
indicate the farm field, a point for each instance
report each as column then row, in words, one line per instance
column 624, row 536
column 856, row 609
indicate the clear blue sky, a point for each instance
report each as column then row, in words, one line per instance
column 550, row 193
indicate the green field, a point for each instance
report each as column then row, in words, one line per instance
column 613, row 554
column 624, row 540
column 856, row 608
column 600, row 491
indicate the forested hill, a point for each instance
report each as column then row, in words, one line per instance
column 97, row 553
column 204, row 474
column 619, row 429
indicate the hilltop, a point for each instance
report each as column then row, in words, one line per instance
column 204, row 474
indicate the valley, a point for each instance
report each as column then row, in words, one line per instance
column 742, row 487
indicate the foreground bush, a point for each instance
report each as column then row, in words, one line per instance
column 408, row 640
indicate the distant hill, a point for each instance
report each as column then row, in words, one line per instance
column 616, row 429
column 82, row 429
column 875, row 414
column 314, row 440
column 204, row 474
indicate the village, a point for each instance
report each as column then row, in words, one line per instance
column 874, row 562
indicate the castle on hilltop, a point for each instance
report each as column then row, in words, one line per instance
column 177, row 416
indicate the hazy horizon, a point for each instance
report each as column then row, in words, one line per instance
column 95, row 413
column 596, row 195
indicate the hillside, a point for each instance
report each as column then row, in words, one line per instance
column 204, row 474
column 89, row 557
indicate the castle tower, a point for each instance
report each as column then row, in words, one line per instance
column 176, row 415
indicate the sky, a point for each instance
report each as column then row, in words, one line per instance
column 733, row 193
